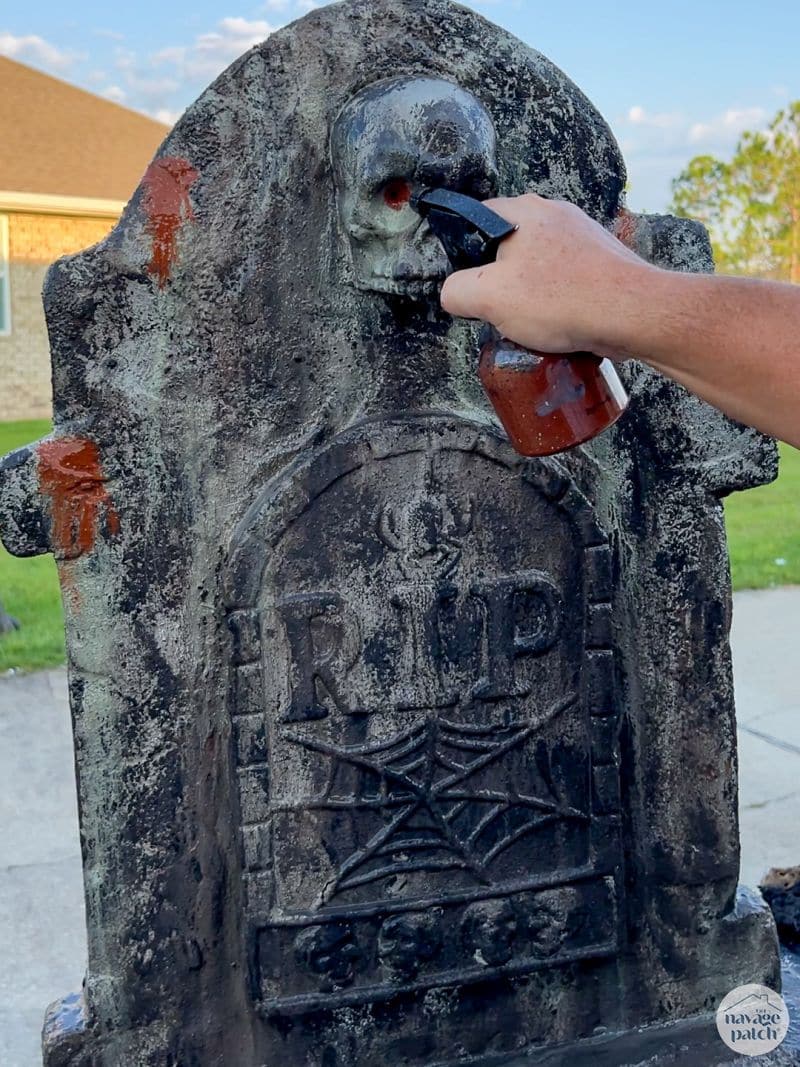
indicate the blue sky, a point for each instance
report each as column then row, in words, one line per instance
column 674, row 80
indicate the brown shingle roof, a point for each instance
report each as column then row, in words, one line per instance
column 55, row 138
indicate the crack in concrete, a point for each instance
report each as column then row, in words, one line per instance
column 772, row 800
column 10, row 868
column 778, row 709
column 787, row 746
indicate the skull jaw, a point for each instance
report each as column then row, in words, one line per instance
column 416, row 274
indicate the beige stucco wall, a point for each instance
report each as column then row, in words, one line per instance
column 35, row 241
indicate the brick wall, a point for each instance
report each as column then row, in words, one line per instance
column 35, row 241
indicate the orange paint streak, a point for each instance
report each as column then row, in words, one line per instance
column 625, row 227
column 71, row 476
column 167, row 205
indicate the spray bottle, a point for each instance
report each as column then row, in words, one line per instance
column 545, row 403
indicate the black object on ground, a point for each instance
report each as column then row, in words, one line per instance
column 781, row 890
column 7, row 622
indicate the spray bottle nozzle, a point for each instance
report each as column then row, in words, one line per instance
column 547, row 403
column 470, row 232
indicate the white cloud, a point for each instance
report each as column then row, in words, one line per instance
column 146, row 88
column 290, row 9
column 647, row 134
column 669, row 129
column 37, row 50
column 664, row 120
column 721, row 129
column 658, row 145
column 167, row 115
column 253, row 30
column 162, row 83
column 210, row 53
column 115, row 93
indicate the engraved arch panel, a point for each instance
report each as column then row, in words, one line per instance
column 424, row 719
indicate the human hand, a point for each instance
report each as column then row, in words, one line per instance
column 562, row 283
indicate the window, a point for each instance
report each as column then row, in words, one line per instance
column 5, row 286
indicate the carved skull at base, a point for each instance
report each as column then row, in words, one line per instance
column 395, row 138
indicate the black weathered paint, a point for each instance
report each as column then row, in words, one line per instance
column 269, row 431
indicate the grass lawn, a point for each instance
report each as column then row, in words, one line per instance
column 763, row 530
column 29, row 587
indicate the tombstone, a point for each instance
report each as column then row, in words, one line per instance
column 392, row 747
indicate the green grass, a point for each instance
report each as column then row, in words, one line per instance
column 764, row 529
column 16, row 434
column 29, row 587
column 763, row 526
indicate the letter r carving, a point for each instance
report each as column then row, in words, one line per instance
column 317, row 661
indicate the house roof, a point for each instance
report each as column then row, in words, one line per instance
column 60, row 140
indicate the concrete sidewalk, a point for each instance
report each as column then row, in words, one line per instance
column 766, row 660
column 42, row 938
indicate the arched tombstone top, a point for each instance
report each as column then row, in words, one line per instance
column 223, row 312
column 229, row 260
column 285, row 499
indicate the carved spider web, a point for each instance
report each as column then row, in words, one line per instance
column 424, row 777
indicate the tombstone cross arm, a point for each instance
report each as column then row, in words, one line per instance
column 23, row 527
column 54, row 498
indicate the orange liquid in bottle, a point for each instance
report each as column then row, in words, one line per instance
column 548, row 404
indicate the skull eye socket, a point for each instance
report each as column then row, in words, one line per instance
column 397, row 193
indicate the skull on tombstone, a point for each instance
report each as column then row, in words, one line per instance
column 489, row 929
column 392, row 139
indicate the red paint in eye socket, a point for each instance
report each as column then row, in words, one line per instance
column 397, row 193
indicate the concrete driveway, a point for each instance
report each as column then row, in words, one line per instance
column 42, row 939
column 766, row 659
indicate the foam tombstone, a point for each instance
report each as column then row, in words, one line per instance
column 392, row 747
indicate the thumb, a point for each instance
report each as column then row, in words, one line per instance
column 464, row 294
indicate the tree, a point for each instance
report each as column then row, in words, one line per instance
column 751, row 203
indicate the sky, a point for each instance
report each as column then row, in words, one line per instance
column 673, row 80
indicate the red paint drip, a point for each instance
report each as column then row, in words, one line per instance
column 167, row 205
column 625, row 227
column 71, row 476
column 397, row 193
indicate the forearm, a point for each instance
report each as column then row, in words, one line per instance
column 733, row 341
